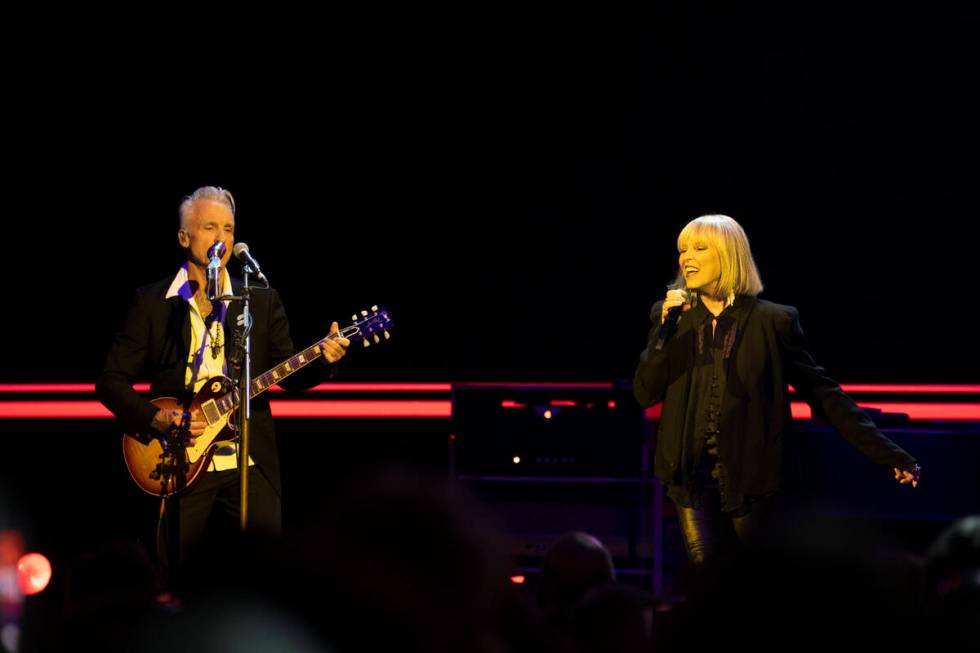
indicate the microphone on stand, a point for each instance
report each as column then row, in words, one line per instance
column 241, row 252
column 215, row 252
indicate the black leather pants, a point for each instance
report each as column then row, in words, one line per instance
column 711, row 535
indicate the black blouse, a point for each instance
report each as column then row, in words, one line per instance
column 701, row 468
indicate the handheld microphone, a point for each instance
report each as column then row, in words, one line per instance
column 215, row 252
column 241, row 252
column 670, row 324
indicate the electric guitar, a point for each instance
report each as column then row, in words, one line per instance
column 167, row 465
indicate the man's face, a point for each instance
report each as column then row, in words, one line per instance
column 206, row 223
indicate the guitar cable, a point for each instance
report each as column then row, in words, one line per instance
column 163, row 520
column 163, row 537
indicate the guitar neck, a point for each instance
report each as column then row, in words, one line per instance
column 290, row 366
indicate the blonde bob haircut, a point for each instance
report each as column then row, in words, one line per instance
column 739, row 274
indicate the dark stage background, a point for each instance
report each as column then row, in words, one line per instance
column 511, row 194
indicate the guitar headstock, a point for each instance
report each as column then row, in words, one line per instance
column 370, row 325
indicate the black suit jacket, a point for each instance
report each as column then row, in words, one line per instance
column 154, row 345
column 770, row 351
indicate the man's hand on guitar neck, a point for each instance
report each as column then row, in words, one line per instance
column 165, row 420
column 334, row 345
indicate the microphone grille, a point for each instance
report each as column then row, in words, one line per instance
column 239, row 249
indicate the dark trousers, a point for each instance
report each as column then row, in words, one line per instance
column 212, row 510
column 711, row 535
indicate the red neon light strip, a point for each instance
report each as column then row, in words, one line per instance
column 949, row 412
column 47, row 387
column 533, row 384
column 52, row 410
column 31, row 388
column 301, row 408
column 936, row 388
column 883, row 388
column 376, row 387
column 432, row 409
column 367, row 408
column 59, row 388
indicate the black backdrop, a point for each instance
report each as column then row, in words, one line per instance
column 512, row 194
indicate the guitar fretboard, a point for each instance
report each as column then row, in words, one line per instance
column 262, row 382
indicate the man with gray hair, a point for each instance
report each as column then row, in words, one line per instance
column 179, row 339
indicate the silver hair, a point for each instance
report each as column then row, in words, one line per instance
column 213, row 193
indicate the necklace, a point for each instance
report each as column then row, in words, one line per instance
column 216, row 343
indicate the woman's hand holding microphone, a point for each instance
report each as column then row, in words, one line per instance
column 675, row 298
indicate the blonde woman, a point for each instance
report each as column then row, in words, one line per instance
column 722, row 375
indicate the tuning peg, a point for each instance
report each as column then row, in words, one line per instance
column 387, row 335
column 367, row 343
column 364, row 313
column 354, row 317
column 375, row 308
column 376, row 338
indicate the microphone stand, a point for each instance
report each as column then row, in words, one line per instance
column 243, row 360
column 245, row 396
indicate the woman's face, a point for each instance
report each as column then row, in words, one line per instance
column 701, row 265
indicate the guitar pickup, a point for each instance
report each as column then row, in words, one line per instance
column 211, row 412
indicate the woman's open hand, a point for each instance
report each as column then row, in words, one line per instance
column 908, row 475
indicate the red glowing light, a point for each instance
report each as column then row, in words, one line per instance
column 881, row 388
column 437, row 407
column 362, row 408
column 88, row 388
column 916, row 412
column 517, row 580
column 33, row 573
column 309, row 408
